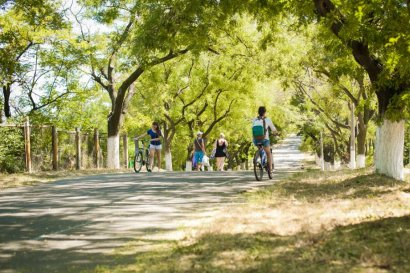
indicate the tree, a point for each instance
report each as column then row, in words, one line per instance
column 213, row 92
column 374, row 34
column 139, row 36
column 338, row 68
column 377, row 41
column 197, row 93
column 25, row 26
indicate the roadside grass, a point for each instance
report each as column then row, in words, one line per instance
column 346, row 221
column 26, row 179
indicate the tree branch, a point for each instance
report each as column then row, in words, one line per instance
column 341, row 86
column 302, row 89
column 30, row 44
column 360, row 49
column 217, row 120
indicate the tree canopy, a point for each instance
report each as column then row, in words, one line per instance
column 207, row 65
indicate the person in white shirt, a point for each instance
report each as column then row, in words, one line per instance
column 268, row 126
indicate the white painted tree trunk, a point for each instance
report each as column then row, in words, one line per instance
column 361, row 161
column 113, row 152
column 390, row 149
column 337, row 165
column 188, row 166
column 168, row 161
column 322, row 156
column 352, row 164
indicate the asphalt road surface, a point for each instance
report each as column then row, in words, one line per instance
column 72, row 225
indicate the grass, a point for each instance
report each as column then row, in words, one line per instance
column 26, row 179
column 346, row 221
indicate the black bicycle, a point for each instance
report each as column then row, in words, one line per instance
column 141, row 156
column 260, row 162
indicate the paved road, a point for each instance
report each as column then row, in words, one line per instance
column 71, row 225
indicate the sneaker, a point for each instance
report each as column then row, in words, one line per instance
column 149, row 170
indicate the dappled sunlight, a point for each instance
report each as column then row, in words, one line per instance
column 60, row 222
column 79, row 222
column 372, row 246
column 309, row 205
column 229, row 260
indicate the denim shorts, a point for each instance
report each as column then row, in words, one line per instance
column 198, row 157
column 264, row 142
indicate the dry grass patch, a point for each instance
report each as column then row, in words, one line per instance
column 347, row 221
column 314, row 202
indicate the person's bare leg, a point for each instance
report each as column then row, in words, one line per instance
column 151, row 158
column 197, row 164
column 159, row 159
column 222, row 163
column 269, row 156
column 219, row 163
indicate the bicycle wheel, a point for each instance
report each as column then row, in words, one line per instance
column 257, row 166
column 273, row 161
column 138, row 162
column 270, row 173
column 147, row 166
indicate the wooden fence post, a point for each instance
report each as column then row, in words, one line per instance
column 78, row 148
column 27, row 145
column 55, row 147
column 125, row 143
column 96, row 148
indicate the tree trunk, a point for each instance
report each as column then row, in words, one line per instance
column 389, row 149
column 189, row 149
column 188, row 164
column 168, row 136
column 6, row 105
column 113, row 144
column 168, row 157
column 352, row 138
column 322, row 157
column 361, row 142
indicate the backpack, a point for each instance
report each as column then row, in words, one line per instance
column 259, row 129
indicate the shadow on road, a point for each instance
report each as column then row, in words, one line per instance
column 73, row 224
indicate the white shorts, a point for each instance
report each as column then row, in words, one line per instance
column 155, row 147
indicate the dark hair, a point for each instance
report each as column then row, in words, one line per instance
column 157, row 129
column 261, row 110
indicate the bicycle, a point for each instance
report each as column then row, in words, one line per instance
column 140, row 154
column 260, row 162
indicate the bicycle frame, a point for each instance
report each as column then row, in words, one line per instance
column 260, row 162
column 143, row 152
column 143, row 148
column 263, row 155
column 137, row 146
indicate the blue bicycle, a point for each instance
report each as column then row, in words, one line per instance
column 260, row 162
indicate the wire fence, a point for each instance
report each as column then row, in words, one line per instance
column 66, row 150
column 41, row 150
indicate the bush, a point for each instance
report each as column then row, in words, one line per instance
column 11, row 150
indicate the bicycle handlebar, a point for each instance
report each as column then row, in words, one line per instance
column 137, row 144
